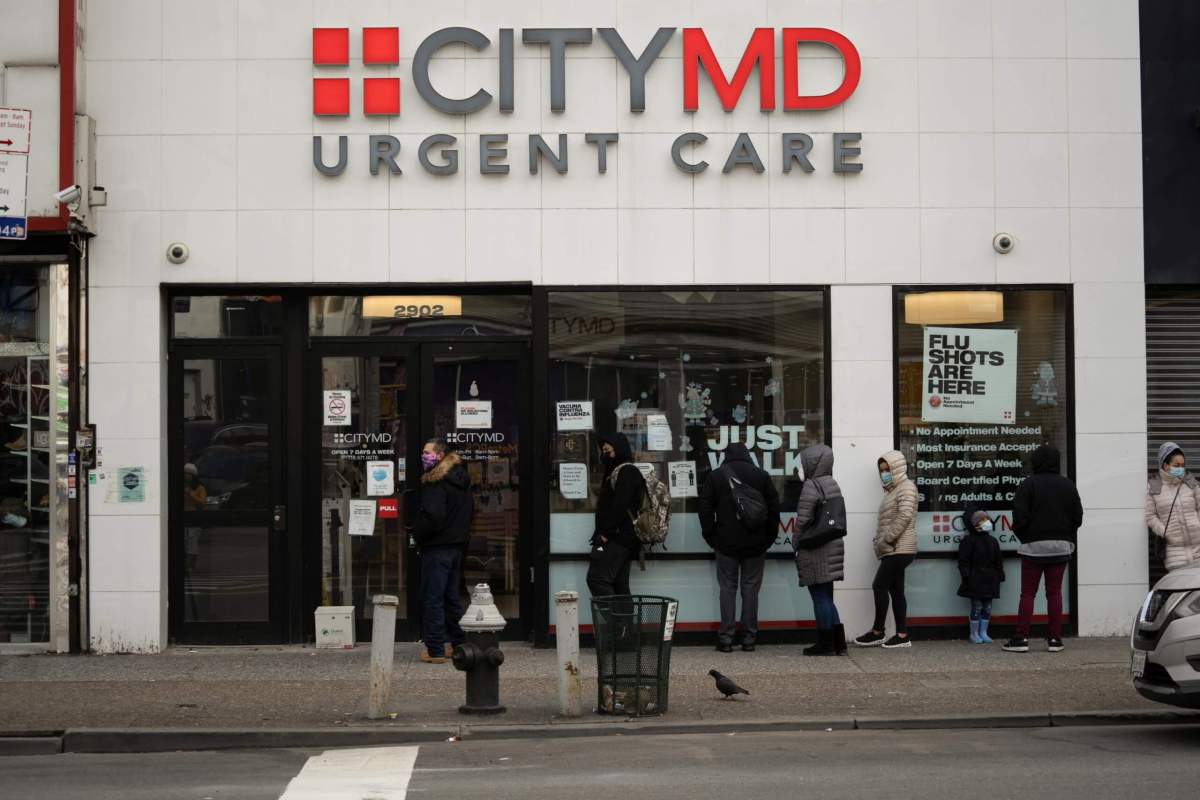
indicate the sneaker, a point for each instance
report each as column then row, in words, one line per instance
column 897, row 642
column 428, row 659
column 1017, row 644
column 724, row 647
column 869, row 639
column 1055, row 645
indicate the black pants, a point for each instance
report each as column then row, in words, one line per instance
column 608, row 571
column 889, row 581
column 728, row 569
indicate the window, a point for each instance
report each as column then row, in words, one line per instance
column 682, row 374
column 226, row 316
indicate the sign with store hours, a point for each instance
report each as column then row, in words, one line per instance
column 14, row 183
column 969, row 375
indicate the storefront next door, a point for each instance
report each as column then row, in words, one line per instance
column 371, row 408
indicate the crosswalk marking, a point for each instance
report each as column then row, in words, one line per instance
column 368, row 773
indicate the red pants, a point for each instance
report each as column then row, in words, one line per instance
column 1031, row 575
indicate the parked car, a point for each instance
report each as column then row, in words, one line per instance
column 1166, row 641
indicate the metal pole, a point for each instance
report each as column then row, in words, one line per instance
column 566, row 633
column 383, row 637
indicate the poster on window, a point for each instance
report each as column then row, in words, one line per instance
column 683, row 479
column 473, row 414
column 380, row 478
column 573, row 481
column 575, row 415
column 969, row 375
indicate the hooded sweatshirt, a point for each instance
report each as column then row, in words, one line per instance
column 980, row 562
column 719, row 522
column 825, row 563
column 1176, row 500
column 619, row 500
column 446, row 506
column 1047, row 511
column 896, row 529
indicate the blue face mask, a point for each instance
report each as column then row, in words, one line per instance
column 986, row 526
column 886, row 478
column 1178, row 472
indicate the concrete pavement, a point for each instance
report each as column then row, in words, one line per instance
column 1063, row 763
column 264, row 689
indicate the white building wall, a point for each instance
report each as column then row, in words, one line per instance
column 1014, row 115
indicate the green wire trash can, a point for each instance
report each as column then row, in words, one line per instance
column 633, row 649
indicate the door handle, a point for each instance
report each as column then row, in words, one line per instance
column 279, row 518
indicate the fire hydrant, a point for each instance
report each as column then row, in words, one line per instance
column 480, row 657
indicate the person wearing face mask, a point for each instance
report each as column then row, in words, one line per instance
column 895, row 547
column 614, row 541
column 1173, row 508
column 442, row 531
column 982, row 568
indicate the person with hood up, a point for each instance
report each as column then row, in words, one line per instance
column 740, row 550
column 442, row 531
column 982, row 568
column 1173, row 508
column 821, row 566
column 614, row 541
column 895, row 547
column 1047, row 514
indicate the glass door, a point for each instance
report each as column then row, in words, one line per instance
column 228, row 521
column 475, row 396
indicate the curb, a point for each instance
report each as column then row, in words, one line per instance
column 156, row 740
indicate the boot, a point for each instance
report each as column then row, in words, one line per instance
column 975, row 632
column 824, row 645
column 839, row 639
column 983, row 634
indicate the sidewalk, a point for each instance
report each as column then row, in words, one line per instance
column 302, row 688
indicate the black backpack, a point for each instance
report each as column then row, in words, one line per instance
column 748, row 502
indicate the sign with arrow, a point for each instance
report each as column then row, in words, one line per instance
column 14, row 187
column 15, row 124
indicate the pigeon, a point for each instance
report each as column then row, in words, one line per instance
column 726, row 686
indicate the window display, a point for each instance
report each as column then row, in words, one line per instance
column 683, row 374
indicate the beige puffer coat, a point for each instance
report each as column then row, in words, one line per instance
column 896, row 530
column 1183, row 537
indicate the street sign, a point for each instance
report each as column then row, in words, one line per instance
column 14, row 130
column 14, row 184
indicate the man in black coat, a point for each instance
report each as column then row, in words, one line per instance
column 442, row 531
column 740, row 550
column 614, row 540
column 1047, row 514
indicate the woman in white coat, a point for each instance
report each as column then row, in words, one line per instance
column 1173, row 508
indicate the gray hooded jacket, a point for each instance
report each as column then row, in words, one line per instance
column 825, row 563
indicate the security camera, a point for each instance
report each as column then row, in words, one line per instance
column 1003, row 242
column 178, row 252
column 69, row 195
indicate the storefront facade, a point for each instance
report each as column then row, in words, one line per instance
column 335, row 230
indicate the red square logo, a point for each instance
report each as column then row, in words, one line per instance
column 331, row 46
column 389, row 508
column 381, row 46
column 381, row 96
column 331, row 97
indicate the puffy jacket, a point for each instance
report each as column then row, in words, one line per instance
column 719, row 523
column 1047, row 511
column 896, row 528
column 1183, row 535
column 617, row 505
column 980, row 562
column 446, row 506
column 827, row 562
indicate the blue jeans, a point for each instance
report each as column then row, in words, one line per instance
column 826, row 612
column 440, row 603
column 981, row 609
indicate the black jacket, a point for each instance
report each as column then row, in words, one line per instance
column 1046, row 506
column 722, row 529
column 444, row 520
column 616, row 506
column 979, row 561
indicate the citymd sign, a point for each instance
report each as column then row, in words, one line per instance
column 438, row 154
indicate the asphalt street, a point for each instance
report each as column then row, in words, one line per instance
column 1162, row 762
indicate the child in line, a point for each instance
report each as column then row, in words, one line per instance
column 982, row 570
